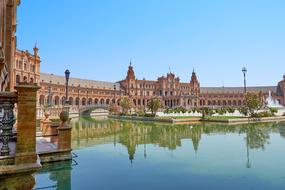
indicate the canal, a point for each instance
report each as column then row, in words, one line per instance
column 112, row 154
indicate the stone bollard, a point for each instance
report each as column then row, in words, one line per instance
column 26, row 129
column 64, row 132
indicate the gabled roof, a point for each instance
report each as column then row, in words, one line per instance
column 217, row 90
column 56, row 79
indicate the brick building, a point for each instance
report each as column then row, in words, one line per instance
column 8, row 24
column 168, row 88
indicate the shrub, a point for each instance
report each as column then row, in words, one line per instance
column 273, row 111
column 149, row 115
column 243, row 110
column 168, row 110
column 140, row 111
column 231, row 109
column 262, row 114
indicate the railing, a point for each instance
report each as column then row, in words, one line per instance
column 7, row 120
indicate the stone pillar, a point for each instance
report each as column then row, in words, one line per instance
column 64, row 132
column 26, row 129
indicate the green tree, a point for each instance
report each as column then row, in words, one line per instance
column 253, row 102
column 207, row 112
column 126, row 104
column 154, row 104
column 114, row 108
column 243, row 110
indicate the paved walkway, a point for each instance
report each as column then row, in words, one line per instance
column 45, row 144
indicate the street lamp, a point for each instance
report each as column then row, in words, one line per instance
column 244, row 70
column 115, row 88
column 49, row 94
column 87, row 97
column 144, row 93
column 67, row 73
column 78, row 103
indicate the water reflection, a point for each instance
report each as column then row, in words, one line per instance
column 141, row 141
column 26, row 182
column 59, row 175
column 87, row 132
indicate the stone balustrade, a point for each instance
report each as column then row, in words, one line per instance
column 7, row 120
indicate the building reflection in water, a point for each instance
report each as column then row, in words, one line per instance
column 87, row 133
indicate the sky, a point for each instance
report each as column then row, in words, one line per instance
column 96, row 39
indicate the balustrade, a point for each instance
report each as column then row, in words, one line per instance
column 7, row 120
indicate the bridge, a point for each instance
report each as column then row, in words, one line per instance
column 74, row 111
column 86, row 110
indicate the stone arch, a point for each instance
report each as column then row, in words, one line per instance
column 108, row 101
column 239, row 103
column 83, row 101
column 219, row 102
column 31, row 80
column 25, row 79
column 18, row 79
column 90, row 101
column 229, row 102
column 209, row 102
column 70, row 101
column 63, row 100
column 77, row 101
column 135, row 102
column 96, row 101
column 102, row 101
column 56, row 100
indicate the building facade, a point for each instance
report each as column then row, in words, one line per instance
column 8, row 25
column 169, row 89
column 27, row 66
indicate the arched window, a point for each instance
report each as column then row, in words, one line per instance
column 56, row 100
column 18, row 79
column 42, row 100
column 83, row 101
column 77, row 101
column 70, row 101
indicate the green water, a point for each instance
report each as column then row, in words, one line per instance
column 136, row 155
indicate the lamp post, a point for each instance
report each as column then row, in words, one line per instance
column 144, row 94
column 244, row 70
column 78, row 103
column 67, row 74
column 87, row 97
column 115, row 88
column 49, row 95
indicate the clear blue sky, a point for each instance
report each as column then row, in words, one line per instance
column 96, row 39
